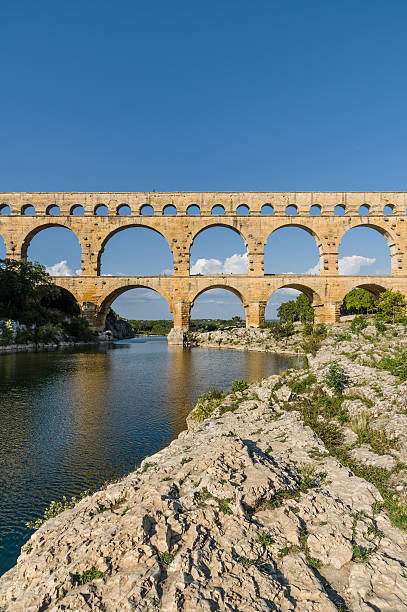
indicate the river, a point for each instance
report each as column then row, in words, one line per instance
column 72, row 419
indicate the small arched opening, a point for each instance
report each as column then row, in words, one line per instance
column 339, row 210
column 315, row 210
column 53, row 210
column 243, row 209
column 170, row 210
column 193, row 209
column 292, row 250
column 5, row 209
column 147, row 210
column 267, row 209
column 291, row 210
column 217, row 210
column 123, row 210
column 77, row 210
column 135, row 251
column 28, row 209
column 388, row 209
column 365, row 250
column 218, row 249
column 364, row 210
column 101, row 210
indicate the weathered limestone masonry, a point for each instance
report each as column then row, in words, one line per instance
column 95, row 293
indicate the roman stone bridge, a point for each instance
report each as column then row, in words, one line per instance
column 181, row 217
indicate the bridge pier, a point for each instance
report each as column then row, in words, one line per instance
column 255, row 314
column 327, row 313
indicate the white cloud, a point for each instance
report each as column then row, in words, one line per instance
column 60, row 269
column 235, row 264
column 352, row 264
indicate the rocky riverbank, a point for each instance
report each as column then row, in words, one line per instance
column 288, row 494
column 252, row 339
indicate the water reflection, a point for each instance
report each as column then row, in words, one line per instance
column 71, row 420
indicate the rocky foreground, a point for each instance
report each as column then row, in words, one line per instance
column 284, row 495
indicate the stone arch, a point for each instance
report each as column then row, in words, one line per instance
column 101, row 210
column 374, row 288
column 301, row 226
column 218, row 209
column 5, row 209
column 28, row 209
column 121, row 229
column 315, row 210
column 291, row 210
column 219, row 224
column 170, row 210
column 388, row 209
column 364, row 210
column 390, row 239
column 77, row 209
column 221, row 285
column 243, row 209
column 53, row 210
column 123, row 209
column 103, row 308
column 267, row 209
column 219, row 250
column 39, row 228
column 193, row 209
column 75, row 306
column 311, row 293
column 340, row 210
column 147, row 210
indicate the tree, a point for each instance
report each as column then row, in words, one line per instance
column 23, row 285
column 391, row 305
column 358, row 301
column 298, row 310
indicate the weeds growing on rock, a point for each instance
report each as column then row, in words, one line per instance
column 87, row 576
column 265, row 539
column 56, row 507
column 239, row 385
column 166, row 558
column 336, row 378
column 396, row 365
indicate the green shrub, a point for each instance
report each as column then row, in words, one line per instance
column 87, row 576
column 6, row 331
column 358, row 324
column 239, row 385
column 336, row 378
column 48, row 332
column 280, row 330
column 311, row 345
column 302, row 385
column 380, row 326
column 396, row 365
column 56, row 507
column 78, row 328
column 23, row 335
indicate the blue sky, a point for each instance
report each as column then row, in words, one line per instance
column 230, row 95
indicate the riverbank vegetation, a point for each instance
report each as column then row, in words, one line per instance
column 33, row 309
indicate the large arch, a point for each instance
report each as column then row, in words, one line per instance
column 278, row 246
column 108, row 300
column 221, row 306
column 290, row 291
column 55, row 246
column 223, row 250
column 367, row 245
column 152, row 245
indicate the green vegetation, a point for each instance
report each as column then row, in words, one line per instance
column 28, row 295
column 397, row 365
column 265, row 539
column 280, row 330
column 391, row 306
column 239, row 385
column 336, row 378
column 358, row 324
column 87, row 576
column 56, row 507
column 166, row 558
column 163, row 327
column 358, row 301
column 303, row 384
column 296, row 310
column 207, row 403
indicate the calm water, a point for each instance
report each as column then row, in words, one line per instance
column 71, row 420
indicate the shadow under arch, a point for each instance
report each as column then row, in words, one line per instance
column 39, row 228
column 108, row 300
column 390, row 239
column 67, row 301
column 121, row 229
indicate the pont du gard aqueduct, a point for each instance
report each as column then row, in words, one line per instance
column 96, row 217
